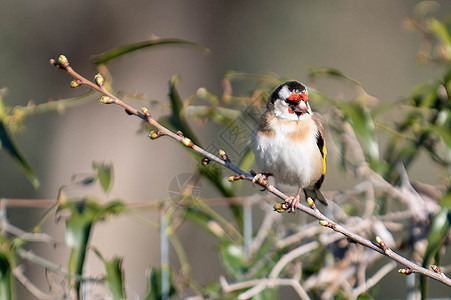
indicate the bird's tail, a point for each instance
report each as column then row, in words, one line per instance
column 315, row 194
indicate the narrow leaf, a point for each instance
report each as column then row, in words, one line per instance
column 114, row 276
column 362, row 123
column 6, row 278
column 154, row 286
column 126, row 49
column 443, row 132
column 438, row 233
column 333, row 73
column 440, row 31
column 105, row 174
column 178, row 117
column 7, row 143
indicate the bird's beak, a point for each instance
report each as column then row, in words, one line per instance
column 301, row 108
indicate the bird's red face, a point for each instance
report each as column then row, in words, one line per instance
column 289, row 101
column 298, row 103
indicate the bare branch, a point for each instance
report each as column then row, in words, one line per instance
column 363, row 170
column 18, row 273
column 373, row 280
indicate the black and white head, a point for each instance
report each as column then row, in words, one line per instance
column 290, row 101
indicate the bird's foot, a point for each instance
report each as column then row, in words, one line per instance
column 261, row 178
column 292, row 203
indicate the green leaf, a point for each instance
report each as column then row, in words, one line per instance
column 363, row 125
column 105, row 174
column 219, row 115
column 438, row 233
column 126, row 49
column 178, row 117
column 333, row 73
column 206, row 222
column 7, row 143
column 445, row 202
column 83, row 215
column 154, row 289
column 114, row 276
column 440, row 31
column 6, row 278
column 232, row 257
column 443, row 132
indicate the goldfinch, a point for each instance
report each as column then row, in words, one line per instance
column 289, row 143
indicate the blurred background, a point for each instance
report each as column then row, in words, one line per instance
column 364, row 39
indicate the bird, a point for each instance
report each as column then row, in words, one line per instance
column 288, row 143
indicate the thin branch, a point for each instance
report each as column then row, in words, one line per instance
column 145, row 115
column 27, row 236
column 51, row 266
column 265, row 227
column 33, row 289
column 258, row 285
column 287, row 258
column 373, row 280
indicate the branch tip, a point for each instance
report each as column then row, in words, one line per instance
column 436, row 269
column 187, row 142
column 405, row 271
column 106, row 100
column 63, row 61
column 154, row 134
column 381, row 243
column 324, row 223
column 99, row 80
column 53, row 62
column 328, row 224
column 223, row 155
column 311, row 203
column 75, row 83
column 236, row 177
column 280, row 207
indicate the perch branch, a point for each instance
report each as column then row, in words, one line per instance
column 108, row 98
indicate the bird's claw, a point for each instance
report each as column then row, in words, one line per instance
column 292, row 203
column 262, row 179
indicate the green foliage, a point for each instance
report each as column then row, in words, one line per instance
column 6, row 277
column 12, row 121
column 118, row 52
column 105, row 175
column 114, row 276
column 83, row 215
column 8, row 144
column 358, row 116
column 154, row 285
column 438, row 233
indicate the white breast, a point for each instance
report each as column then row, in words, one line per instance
column 291, row 162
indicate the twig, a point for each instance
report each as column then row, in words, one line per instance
column 145, row 115
column 265, row 227
column 18, row 273
column 287, row 258
column 51, row 266
column 259, row 285
column 373, row 280
column 27, row 236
